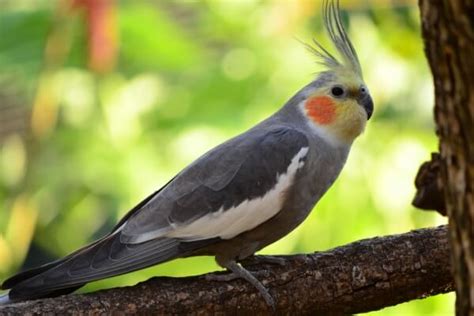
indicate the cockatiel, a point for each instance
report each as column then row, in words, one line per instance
column 240, row 196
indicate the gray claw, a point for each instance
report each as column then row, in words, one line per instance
column 272, row 260
column 266, row 259
column 222, row 277
column 237, row 271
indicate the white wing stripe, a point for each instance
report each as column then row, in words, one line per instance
column 229, row 223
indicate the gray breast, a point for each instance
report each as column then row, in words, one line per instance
column 323, row 165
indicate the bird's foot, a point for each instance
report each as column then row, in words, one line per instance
column 265, row 259
column 239, row 272
column 230, row 276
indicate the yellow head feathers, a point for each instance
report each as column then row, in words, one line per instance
column 338, row 104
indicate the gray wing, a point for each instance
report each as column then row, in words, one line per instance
column 243, row 169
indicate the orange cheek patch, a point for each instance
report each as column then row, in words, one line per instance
column 321, row 109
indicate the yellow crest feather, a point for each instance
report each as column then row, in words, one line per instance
column 338, row 35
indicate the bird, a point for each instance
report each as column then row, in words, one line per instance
column 240, row 196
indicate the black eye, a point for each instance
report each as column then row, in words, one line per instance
column 363, row 90
column 337, row 91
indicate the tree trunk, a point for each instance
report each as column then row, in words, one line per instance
column 448, row 31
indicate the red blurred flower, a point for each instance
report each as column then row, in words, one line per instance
column 100, row 17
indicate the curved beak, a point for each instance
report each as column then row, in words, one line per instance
column 366, row 102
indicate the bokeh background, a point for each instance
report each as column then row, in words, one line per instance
column 102, row 102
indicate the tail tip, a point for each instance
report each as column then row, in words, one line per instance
column 5, row 299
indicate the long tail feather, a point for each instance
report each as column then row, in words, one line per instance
column 106, row 258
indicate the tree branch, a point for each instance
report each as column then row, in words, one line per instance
column 429, row 186
column 362, row 276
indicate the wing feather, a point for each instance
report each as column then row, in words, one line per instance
column 244, row 169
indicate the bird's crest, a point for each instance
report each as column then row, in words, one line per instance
column 340, row 39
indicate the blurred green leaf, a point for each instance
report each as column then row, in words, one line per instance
column 150, row 39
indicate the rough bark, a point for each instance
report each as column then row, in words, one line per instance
column 429, row 186
column 448, row 31
column 362, row 276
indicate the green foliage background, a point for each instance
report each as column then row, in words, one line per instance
column 189, row 76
